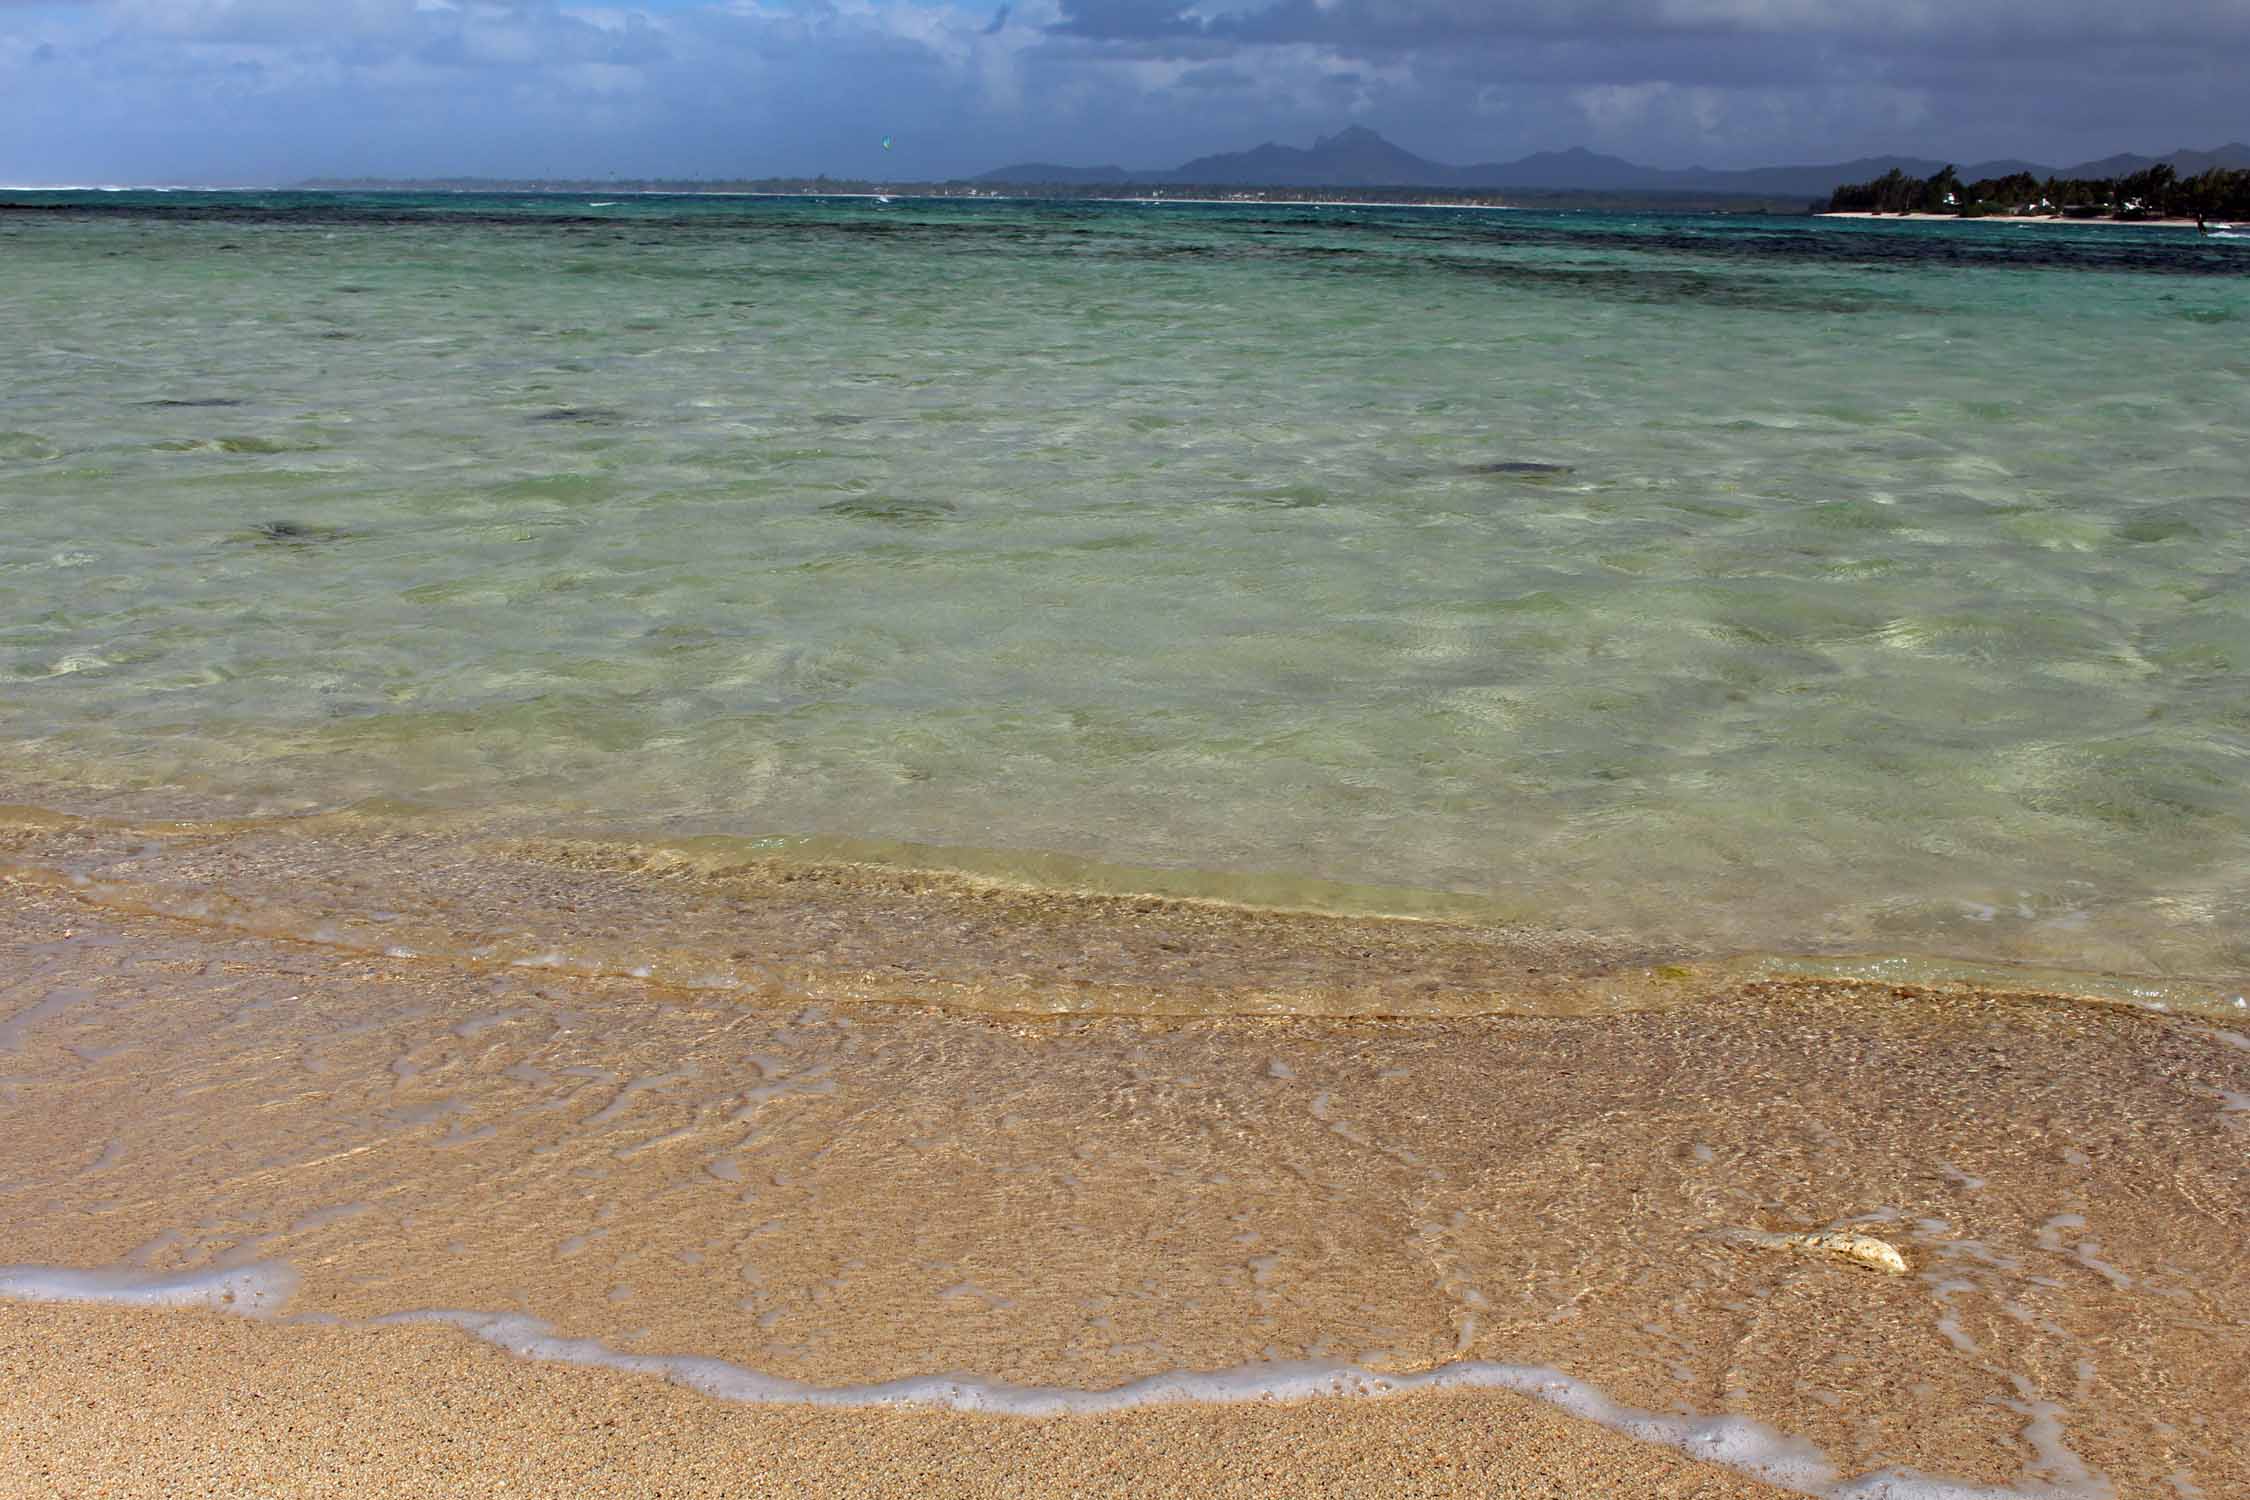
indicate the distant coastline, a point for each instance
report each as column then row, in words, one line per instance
column 1388, row 195
column 1357, row 167
column 1922, row 218
column 2156, row 194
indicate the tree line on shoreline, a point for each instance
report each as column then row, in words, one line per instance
column 2157, row 192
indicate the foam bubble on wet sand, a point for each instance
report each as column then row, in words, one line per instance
column 255, row 1290
column 260, row 1289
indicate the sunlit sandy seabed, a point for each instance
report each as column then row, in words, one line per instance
column 1761, row 585
column 1073, row 805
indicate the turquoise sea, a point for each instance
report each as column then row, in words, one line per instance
column 1768, row 585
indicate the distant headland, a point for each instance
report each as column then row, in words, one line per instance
column 1358, row 165
column 1359, row 158
column 2157, row 193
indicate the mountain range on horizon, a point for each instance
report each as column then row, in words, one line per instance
column 1359, row 158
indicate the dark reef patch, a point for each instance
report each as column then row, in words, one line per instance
column 1515, row 469
column 1304, row 232
column 586, row 415
column 293, row 534
column 890, row 510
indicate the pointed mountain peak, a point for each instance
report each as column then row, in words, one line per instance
column 1350, row 135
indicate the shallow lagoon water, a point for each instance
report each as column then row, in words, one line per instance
column 1771, row 585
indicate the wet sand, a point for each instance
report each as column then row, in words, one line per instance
column 826, row 1178
column 161, row 1404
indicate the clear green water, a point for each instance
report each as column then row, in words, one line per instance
column 1896, row 597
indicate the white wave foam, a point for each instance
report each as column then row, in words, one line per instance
column 1738, row 1443
column 1735, row 1441
column 255, row 1290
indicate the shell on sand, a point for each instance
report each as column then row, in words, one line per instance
column 1879, row 1255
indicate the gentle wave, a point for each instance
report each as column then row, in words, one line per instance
column 1750, row 1447
column 789, row 919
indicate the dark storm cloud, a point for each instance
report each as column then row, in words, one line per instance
column 232, row 90
column 1216, row 76
column 1725, row 79
column 1393, row 26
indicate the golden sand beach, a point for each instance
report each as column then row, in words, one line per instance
column 1066, row 1143
column 161, row 1404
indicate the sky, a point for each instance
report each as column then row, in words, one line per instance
column 268, row 91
